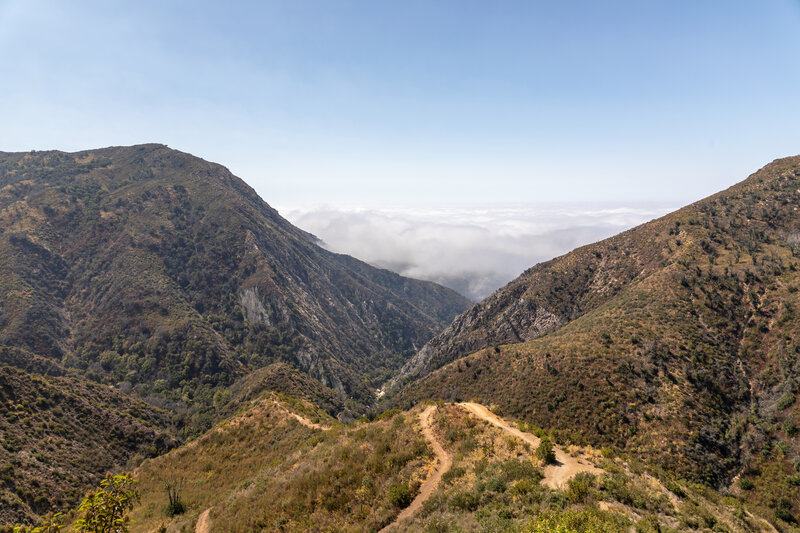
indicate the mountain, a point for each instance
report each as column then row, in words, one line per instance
column 165, row 274
column 144, row 292
column 677, row 341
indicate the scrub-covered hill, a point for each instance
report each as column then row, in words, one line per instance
column 677, row 341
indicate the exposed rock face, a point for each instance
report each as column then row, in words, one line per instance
column 253, row 308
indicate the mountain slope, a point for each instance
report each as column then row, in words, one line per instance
column 59, row 435
column 146, row 293
column 676, row 341
column 167, row 275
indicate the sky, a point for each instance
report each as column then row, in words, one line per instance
column 380, row 110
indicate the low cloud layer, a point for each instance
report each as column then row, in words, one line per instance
column 471, row 251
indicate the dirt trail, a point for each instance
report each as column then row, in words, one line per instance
column 555, row 476
column 430, row 484
column 303, row 420
column 203, row 522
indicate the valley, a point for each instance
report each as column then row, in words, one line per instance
column 157, row 316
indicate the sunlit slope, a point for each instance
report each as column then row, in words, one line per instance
column 676, row 341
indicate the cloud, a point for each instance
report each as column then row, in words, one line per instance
column 473, row 251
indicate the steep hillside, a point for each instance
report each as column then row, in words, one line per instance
column 163, row 273
column 143, row 273
column 59, row 435
column 676, row 341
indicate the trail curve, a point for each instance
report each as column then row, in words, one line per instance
column 555, row 475
column 433, row 480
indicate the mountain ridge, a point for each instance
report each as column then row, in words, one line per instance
column 167, row 281
column 675, row 340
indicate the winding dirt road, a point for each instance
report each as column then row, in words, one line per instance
column 555, row 476
column 430, row 484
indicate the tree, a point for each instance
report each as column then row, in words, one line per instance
column 105, row 509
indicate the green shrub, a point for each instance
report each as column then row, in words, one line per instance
column 620, row 488
column 514, row 469
column 496, row 484
column 544, row 452
column 400, row 496
column 785, row 515
column 175, row 505
column 794, row 479
column 746, row 484
column 526, row 486
column 453, row 473
column 576, row 521
column 465, row 501
column 580, row 487
column 785, row 401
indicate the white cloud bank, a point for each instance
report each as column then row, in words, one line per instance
column 473, row 251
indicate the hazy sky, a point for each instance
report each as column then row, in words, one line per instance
column 368, row 106
column 384, row 102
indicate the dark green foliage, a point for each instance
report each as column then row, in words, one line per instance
column 545, row 453
column 785, row 515
column 465, row 500
column 175, row 505
column 786, row 401
column 580, row 488
column 400, row 496
column 453, row 473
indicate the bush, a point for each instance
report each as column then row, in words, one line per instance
column 103, row 509
column 785, row 401
column 526, row 486
column 175, row 505
column 496, row 484
column 785, row 515
column 580, row 487
column 572, row 521
column 453, row 473
column 465, row 501
column 400, row 496
column 514, row 469
column 746, row 484
column 544, row 452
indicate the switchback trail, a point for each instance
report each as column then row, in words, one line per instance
column 430, row 484
column 555, row 476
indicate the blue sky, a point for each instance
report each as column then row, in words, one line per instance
column 379, row 103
